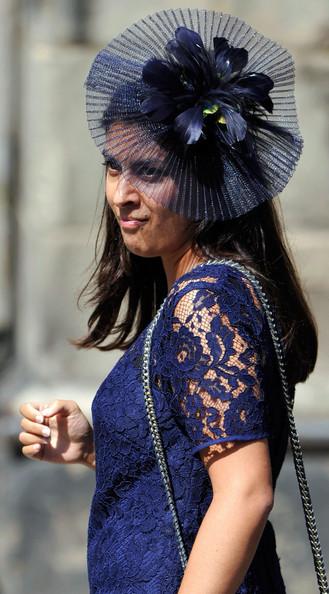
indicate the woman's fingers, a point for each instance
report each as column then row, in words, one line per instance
column 32, row 451
column 35, row 424
column 35, row 428
column 65, row 407
column 30, row 439
column 41, row 412
column 32, row 411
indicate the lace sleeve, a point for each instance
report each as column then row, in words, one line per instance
column 216, row 361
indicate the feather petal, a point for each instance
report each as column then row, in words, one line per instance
column 236, row 125
column 158, row 107
column 189, row 52
column 189, row 124
column 160, row 74
column 229, row 61
column 255, row 86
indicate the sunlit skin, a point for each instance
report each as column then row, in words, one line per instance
column 165, row 233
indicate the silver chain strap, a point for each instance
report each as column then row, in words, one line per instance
column 294, row 439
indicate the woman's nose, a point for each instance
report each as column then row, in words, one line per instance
column 125, row 192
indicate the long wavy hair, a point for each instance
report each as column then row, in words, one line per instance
column 125, row 290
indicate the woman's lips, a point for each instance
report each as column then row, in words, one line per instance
column 132, row 223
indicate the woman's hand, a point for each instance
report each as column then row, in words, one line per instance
column 59, row 432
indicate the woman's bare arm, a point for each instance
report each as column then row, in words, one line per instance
column 233, row 524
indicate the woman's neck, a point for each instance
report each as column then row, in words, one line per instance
column 184, row 262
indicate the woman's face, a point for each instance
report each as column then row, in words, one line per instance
column 148, row 228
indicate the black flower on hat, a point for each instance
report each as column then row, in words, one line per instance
column 196, row 90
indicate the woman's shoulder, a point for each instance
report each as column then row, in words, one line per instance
column 218, row 287
column 216, row 275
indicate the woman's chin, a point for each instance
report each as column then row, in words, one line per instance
column 143, row 252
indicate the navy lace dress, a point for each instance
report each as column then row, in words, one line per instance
column 214, row 382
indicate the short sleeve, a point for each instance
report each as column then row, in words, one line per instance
column 216, row 361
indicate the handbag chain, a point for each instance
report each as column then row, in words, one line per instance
column 294, row 439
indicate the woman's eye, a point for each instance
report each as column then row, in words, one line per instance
column 153, row 173
column 112, row 165
column 112, row 170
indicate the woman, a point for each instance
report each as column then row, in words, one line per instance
column 193, row 164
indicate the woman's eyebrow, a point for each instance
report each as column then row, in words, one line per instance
column 112, row 160
column 134, row 164
column 141, row 163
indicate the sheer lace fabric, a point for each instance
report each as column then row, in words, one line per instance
column 213, row 384
column 212, row 360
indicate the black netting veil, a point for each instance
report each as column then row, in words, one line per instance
column 210, row 179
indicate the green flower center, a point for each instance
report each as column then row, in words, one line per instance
column 220, row 119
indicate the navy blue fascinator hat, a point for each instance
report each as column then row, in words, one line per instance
column 197, row 110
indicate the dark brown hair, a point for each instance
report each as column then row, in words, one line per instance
column 126, row 289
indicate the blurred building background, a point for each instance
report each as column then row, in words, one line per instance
column 51, row 196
